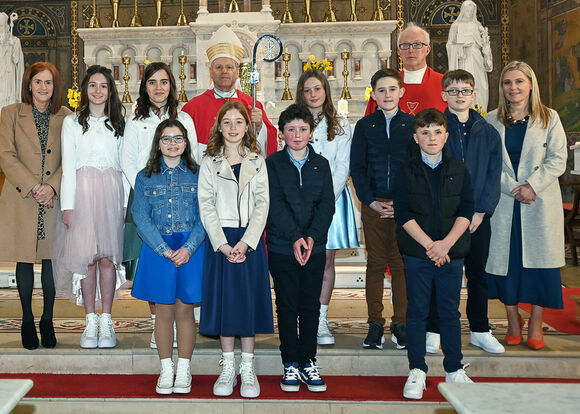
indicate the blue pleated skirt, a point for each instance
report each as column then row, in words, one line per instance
column 158, row 280
column 237, row 299
column 342, row 232
column 542, row 287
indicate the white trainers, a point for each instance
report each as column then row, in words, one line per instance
column 165, row 380
column 224, row 386
column 324, row 336
column 250, row 386
column 432, row 342
column 415, row 384
column 487, row 342
column 90, row 337
column 459, row 376
column 182, row 377
column 107, row 338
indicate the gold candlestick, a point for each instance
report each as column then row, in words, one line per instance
column 345, row 92
column 181, row 19
column 126, row 96
column 353, row 17
column 94, row 21
column 378, row 13
column 307, row 16
column 115, row 5
column 233, row 7
column 287, row 95
column 136, row 19
column 287, row 17
column 182, row 61
column 158, row 6
column 329, row 16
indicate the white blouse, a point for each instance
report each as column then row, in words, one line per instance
column 337, row 152
column 98, row 148
column 138, row 137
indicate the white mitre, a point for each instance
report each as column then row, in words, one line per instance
column 224, row 43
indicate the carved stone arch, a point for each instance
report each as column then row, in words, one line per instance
column 38, row 34
column 353, row 46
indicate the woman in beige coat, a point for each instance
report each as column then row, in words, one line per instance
column 30, row 158
column 527, row 228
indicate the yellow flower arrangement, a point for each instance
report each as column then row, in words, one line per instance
column 480, row 109
column 368, row 91
column 74, row 98
column 317, row 65
column 147, row 62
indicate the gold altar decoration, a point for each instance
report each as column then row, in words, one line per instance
column 126, row 96
column 287, row 17
column 136, row 19
column 182, row 61
column 115, row 6
column 345, row 56
column 158, row 7
column 329, row 16
column 181, row 19
column 245, row 74
column 233, row 8
column 94, row 21
column 400, row 26
column 378, row 14
column 505, row 34
column 353, row 17
column 287, row 95
column 307, row 16
column 74, row 95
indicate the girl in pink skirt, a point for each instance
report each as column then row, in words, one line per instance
column 93, row 196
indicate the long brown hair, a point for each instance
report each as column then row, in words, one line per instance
column 154, row 161
column 538, row 111
column 31, row 72
column 216, row 138
column 144, row 103
column 328, row 109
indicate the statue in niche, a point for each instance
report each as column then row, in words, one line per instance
column 11, row 61
column 468, row 48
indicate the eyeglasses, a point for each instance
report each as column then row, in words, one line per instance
column 414, row 45
column 168, row 139
column 464, row 92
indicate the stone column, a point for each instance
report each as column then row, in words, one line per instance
column 266, row 6
column 202, row 7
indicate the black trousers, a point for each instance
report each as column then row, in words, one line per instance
column 297, row 300
column 477, row 299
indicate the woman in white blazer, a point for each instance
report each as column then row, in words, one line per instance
column 527, row 239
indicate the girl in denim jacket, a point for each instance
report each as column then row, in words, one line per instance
column 170, row 266
column 234, row 202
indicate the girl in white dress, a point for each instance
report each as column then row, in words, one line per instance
column 93, row 196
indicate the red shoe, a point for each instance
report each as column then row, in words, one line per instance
column 536, row 344
column 516, row 339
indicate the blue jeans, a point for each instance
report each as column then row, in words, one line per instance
column 422, row 275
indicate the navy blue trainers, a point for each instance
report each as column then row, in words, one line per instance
column 291, row 379
column 310, row 376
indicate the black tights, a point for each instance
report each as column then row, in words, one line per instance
column 25, row 283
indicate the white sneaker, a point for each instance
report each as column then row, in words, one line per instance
column 459, row 376
column 250, row 386
column 432, row 342
column 182, row 377
column 324, row 336
column 107, row 338
column 224, row 386
column 415, row 384
column 165, row 380
column 90, row 337
column 487, row 342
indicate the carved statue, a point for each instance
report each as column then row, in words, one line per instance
column 468, row 48
column 11, row 61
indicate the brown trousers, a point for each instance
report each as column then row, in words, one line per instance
column 382, row 250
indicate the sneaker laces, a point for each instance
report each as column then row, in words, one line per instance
column 312, row 372
column 291, row 373
column 92, row 328
column 462, row 374
column 247, row 372
column 182, row 374
column 323, row 329
column 106, row 327
column 228, row 372
column 414, row 375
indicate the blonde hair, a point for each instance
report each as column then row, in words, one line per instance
column 538, row 111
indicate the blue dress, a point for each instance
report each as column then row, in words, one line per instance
column 237, row 299
column 542, row 287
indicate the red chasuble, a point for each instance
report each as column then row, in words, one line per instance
column 204, row 108
column 417, row 97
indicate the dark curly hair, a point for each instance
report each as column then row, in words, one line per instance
column 154, row 161
column 144, row 103
column 216, row 138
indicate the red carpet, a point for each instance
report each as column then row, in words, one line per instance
column 340, row 388
column 564, row 320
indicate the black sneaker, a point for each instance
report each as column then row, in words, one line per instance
column 375, row 338
column 399, row 335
